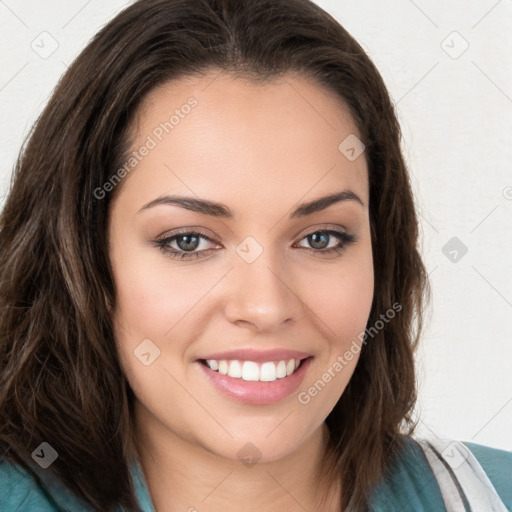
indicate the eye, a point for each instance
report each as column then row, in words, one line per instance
column 321, row 241
column 185, row 244
column 189, row 244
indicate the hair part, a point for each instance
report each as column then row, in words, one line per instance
column 60, row 378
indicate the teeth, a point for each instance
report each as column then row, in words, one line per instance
column 268, row 372
column 281, row 370
column 214, row 365
column 223, row 367
column 251, row 371
column 235, row 370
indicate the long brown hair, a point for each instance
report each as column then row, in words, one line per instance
column 60, row 378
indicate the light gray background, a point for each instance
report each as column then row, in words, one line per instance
column 455, row 108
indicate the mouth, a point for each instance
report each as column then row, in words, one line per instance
column 252, row 371
column 255, row 383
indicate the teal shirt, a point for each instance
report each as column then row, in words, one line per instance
column 409, row 485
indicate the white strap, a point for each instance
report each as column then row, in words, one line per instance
column 463, row 483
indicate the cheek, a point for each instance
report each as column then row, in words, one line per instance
column 151, row 306
column 342, row 298
column 159, row 302
column 153, row 298
column 342, row 303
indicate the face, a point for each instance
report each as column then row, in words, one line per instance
column 260, row 274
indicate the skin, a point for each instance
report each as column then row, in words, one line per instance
column 261, row 150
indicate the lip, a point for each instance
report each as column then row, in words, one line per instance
column 258, row 356
column 256, row 392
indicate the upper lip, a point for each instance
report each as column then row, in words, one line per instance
column 258, row 356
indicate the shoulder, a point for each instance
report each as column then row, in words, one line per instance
column 497, row 465
column 433, row 474
column 20, row 491
column 408, row 483
column 471, row 473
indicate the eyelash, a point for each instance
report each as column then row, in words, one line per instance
column 346, row 239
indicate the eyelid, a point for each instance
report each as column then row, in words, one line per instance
column 184, row 231
column 325, row 227
column 200, row 231
column 344, row 236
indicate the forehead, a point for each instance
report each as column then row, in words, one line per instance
column 267, row 142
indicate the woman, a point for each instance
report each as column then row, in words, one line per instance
column 209, row 274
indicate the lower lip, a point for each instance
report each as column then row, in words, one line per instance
column 256, row 392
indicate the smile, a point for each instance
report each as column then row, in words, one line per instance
column 252, row 371
column 254, row 383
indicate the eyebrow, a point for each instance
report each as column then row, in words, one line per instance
column 220, row 210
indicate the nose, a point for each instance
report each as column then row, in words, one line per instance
column 262, row 294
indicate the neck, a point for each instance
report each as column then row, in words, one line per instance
column 183, row 475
